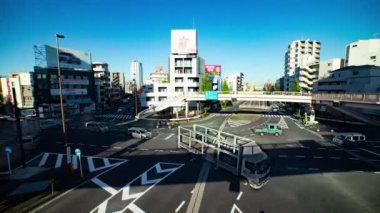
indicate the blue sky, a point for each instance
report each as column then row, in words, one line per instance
column 243, row 36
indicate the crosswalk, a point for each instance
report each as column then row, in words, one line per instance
column 115, row 116
column 276, row 116
column 220, row 114
column 92, row 164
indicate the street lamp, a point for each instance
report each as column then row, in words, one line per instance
column 58, row 36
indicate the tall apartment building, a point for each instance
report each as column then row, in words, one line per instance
column 185, row 69
column 117, row 86
column 158, row 76
column 235, row 81
column 137, row 73
column 307, row 54
column 363, row 52
column 327, row 66
column 102, row 84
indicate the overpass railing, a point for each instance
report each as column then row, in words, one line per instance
column 262, row 93
column 373, row 98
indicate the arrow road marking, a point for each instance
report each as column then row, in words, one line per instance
column 126, row 193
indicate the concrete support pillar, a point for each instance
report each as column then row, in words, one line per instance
column 186, row 109
column 198, row 108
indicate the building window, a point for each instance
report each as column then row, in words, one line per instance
column 178, row 80
column 373, row 57
column 162, row 89
column 39, row 76
column 179, row 89
column 355, row 73
column 355, row 45
column 329, row 64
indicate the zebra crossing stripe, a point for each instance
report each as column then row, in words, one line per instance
column 43, row 160
column 58, row 163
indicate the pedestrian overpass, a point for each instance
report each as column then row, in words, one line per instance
column 372, row 100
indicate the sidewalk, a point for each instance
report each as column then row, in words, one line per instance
column 29, row 187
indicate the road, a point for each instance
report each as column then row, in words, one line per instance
column 123, row 173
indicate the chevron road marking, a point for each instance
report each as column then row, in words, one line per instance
column 141, row 180
column 104, row 186
column 236, row 209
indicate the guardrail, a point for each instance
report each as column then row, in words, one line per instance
column 348, row 97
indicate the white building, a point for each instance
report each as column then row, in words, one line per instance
column 137, row 73
column 327, row 66
column 363, row 52
column 185, row 70
column 158, row 76
column 26, row 88
column 306, row 73
column 235, row 81
column 352, row 79
column 295, row 54
column 102, row 83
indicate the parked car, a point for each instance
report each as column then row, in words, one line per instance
column 138, row 132
column 96, row 126
column 349, row 139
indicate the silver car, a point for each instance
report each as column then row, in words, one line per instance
column 140, row 133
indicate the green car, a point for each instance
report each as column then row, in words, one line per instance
column 270, row 128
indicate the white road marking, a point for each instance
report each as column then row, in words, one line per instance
column 196, row 197
column 192, row 191
column 180, row 206
column 169, row 136
column 335, row 158
column 43, row 160
column 300, row 156
column 283, row 156
column 116, row 147
column 75, row 161
column 238, row 197
column 378, row 173
column 58, row 162
column 235, row 208
column 158, row 150
column 104, row 186
column 318, row 157
column 374, row 153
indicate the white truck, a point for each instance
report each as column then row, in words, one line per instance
column 239, row 155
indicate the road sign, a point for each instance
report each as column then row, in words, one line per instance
column 78, row 152
column 8, row 149
column 211, row 95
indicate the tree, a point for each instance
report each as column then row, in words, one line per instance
column 206, row 83
column 277, row 87
column 225, row 88
column 296, row 86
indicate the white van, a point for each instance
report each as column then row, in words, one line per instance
column 96, row 126
column 138, row 132
column 349, row 139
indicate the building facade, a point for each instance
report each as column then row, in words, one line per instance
column 117, row 87
column 235, row 81
column 363, row 52
column 327, row 66
column 137, row 74
column 185, row 70
column 77, row 91
column 301, row 51
column 102, row 84
column 351, row 79
column 158, row 76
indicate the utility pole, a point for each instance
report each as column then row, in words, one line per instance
column 68, row 155
column 18, row 123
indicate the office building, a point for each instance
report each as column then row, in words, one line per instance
column 102, row 84
column 77, row 81
column 307, row 54
column 363, row 52
column 351, row 79
column 327, row 66
column 137, row 74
